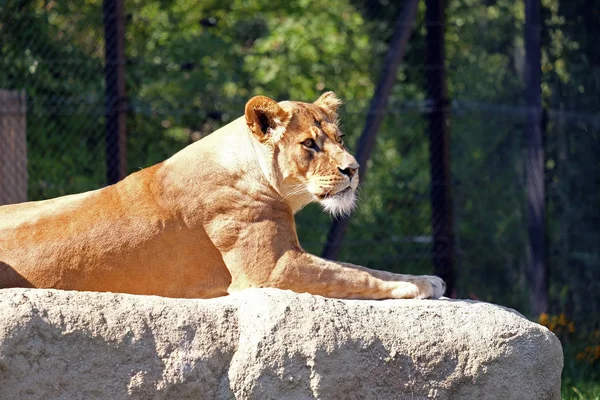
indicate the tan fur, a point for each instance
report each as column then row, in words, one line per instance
column 216, row 217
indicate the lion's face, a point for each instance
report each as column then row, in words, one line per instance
column 308, row 147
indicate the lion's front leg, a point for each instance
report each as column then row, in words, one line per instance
column 410, row 286
column 267, row 254
column 378, row 284
column 303, row 272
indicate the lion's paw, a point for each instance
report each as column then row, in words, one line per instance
column 437, row 287
column 418, row 287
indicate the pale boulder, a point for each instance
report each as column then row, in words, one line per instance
column 269, row 344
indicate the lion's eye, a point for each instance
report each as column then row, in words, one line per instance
column 339, row 139
column 310, row 143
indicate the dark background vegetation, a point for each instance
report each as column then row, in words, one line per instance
column 192, row 65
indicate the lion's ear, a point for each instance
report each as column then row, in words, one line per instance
column 265, row 117
column 329, row 103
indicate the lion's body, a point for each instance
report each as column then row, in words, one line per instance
column 214, row 218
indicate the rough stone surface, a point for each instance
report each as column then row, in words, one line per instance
column 269, row 344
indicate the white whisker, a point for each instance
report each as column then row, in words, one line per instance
column 296, row 189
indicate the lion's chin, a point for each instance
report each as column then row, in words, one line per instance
column 340, row 204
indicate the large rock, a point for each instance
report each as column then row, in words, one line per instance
column 269, row 344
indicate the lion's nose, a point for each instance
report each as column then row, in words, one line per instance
column 349, row 172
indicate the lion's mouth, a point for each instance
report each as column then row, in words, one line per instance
column 330, row 195
column 339, row 204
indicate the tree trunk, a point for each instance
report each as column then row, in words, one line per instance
column 376, row 114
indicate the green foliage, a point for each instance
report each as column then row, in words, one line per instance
column 192, row 65
column 581, row 377
column 62, row 76
column 571, row 82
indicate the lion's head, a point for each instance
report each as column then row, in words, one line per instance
column 307, row 160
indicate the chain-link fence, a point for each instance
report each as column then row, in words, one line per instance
column 54, row 52
column 189, row 68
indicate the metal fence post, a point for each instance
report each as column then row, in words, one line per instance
column 537, row 269
column 439, row 152
column 115, row 96
column 13, row 147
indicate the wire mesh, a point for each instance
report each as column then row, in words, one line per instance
column 190, row 68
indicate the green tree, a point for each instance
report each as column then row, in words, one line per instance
column 52, row 52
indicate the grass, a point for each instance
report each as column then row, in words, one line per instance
column 581, row 349
column 580, row 390
column 581, row 375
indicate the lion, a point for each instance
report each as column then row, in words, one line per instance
column 215, row 218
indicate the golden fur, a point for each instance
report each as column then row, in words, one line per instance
column 216, row 217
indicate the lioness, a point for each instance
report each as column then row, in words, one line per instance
column 215, row 218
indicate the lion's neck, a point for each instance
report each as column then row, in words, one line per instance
column 265, row 160
column 295, row 194
column 228, row 152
